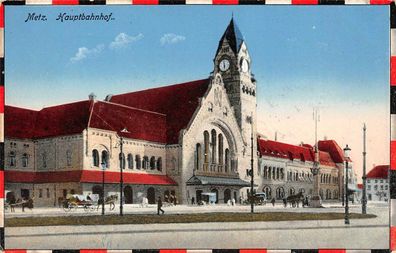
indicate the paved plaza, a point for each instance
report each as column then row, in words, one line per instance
column 360, row 234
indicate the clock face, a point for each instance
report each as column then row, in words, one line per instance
column 224, row 65
column 245, row 65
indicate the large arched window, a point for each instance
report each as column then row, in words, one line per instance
column 206, row 146
column 159, row 164
column 292, row 191
column 152, row 163
column 267, row 191
column 105, row 158
column 130, row 161
column 214, row 145
column 138, row 162
column 25, row 160
column 121, row 158
column 227, row 160
column 95, row 158
column 145, row 162
column 198, row 158
column 221, row 149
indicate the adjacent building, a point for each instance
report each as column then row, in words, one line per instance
column 378, row 183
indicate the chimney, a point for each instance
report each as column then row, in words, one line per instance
column 92, row 96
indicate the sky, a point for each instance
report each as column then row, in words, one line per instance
column 334, row 58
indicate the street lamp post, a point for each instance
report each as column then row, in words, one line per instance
column 121, row 170
column 346, row 155
column 364, row 197
column 316, row 199
column 103, row 186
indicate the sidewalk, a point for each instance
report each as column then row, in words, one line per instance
column 152, row 209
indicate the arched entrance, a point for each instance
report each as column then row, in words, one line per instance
column 227, row 195
column 217, row 194
column 128, row 195
column 151, row 195
column 96, row 189
column 198, row 195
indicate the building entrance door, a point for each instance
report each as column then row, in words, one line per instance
column 217, row 194
column 151, row 195
column 128, row 193
column 198, row 195
column 227, row 195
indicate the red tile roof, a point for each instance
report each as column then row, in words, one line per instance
column 325, row 159
column 304, row 152
column 178, row 102
column 19, row 122
column 283, row 150
column 379, row 171
column 333, row 149
column 86, row 176
column 141, row 124
column 156, row 115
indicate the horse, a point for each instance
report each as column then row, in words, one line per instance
column 295, row 199
column 109, row 200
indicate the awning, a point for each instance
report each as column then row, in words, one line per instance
column 205, row 180
column 86, row 176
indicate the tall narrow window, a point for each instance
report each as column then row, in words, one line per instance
column 198, row 156
column 221, row 152
column 44, row 159
column 121, row 159
column 206, row 146
column 159, row 164
column 25, row 160
column 130, row 161
column 138, row 162
column 214, row 145
column 145, row 162
column 68, row 158
column 95, row 158
column 152, row 163
column 265, row 172
column 105, row 158
column 12, row 158
column 227, row 160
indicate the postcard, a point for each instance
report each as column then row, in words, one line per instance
column 196, row 127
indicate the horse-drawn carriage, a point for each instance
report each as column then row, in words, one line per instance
column 259, row 198
column 90, row 202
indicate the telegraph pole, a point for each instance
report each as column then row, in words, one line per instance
column 251, row 169
column 364, row 197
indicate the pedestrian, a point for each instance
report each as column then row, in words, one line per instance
column 174, row 200
column 192, row 201
column 159, row 206
column 284, row 202
column 240, row 200
column 233, row 201
column 273, row 201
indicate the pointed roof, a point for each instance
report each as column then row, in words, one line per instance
column 233, row 36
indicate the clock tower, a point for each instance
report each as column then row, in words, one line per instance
column 233, row 62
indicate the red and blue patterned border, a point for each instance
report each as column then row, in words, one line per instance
column 392, row 174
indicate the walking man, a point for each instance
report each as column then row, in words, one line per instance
column 159, row 206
